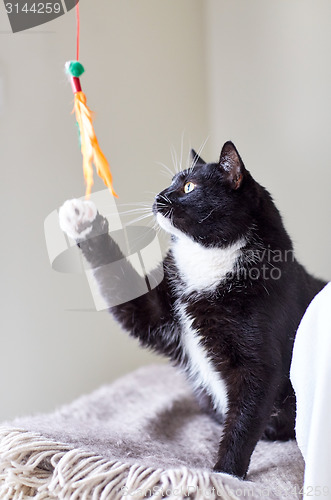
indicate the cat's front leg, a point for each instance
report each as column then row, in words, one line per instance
column 117, row 279
column 148, row 316
column 249, row 408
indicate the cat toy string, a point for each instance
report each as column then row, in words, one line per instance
column 77, row 30
column 91, row 151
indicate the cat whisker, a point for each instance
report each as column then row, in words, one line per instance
column 181, row 150
column 163, row 204
column 205, row 218
column 189, row 159
column 150, row 192
column 175, row 159
column 211, row 175
column 169, row 192
column 156, row 227
column 171, row 214
column 135, row 210
column 133, row 203
column 140, row 205
column 167, row 170
column 199, row 152
column 166, row 199
column 141, row 238
column 139, row 219
column 167, row 213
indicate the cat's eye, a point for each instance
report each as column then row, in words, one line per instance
column 189, row 186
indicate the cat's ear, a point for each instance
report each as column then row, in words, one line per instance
column 232, row 165
column 196, row 160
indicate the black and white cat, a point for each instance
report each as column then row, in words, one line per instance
column 230, row 302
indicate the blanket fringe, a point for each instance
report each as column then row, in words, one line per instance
column 33, row 467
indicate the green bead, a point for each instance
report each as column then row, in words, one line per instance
column 75, row 68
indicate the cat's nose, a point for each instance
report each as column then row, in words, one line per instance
column 159, row 203
column 156, row 203
column 160, row 200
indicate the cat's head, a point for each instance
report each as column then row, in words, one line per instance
column 212, row 203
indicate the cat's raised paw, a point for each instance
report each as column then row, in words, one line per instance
column 76, row 218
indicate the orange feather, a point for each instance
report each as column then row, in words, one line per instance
column 90, row 148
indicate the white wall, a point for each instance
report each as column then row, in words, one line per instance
column 143, row 79
column 269, row 91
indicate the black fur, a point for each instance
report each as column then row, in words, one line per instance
column 248, row 323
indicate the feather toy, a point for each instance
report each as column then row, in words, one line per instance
column 91, row 151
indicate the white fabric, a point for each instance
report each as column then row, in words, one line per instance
column 311, row 379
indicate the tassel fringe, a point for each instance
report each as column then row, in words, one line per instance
column 32, row 467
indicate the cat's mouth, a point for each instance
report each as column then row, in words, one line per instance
column 166, row 224
column 163, row 210
column 162, row 213
column 161, row 204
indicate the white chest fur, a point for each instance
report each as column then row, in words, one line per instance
column 201, row 268
column 200, row 369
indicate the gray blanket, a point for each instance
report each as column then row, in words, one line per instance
column 141, row 436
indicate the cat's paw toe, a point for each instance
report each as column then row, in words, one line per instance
column 76, row 218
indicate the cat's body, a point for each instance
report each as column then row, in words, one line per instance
column 230, row 302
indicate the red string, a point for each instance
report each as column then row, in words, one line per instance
column 78, row 29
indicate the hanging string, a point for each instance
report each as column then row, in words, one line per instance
column 92, row 154
column 77, row 30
